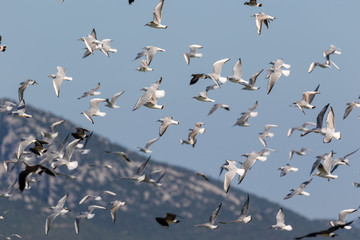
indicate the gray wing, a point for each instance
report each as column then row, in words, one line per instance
column 61, row 202
column 55, row 124
column 214, row 108
column 163, row 127
column 311, row 96
column 254, row 77
column 320, row 117
column 292, row 193
column 245, row 208
column 142, row 167
column 148, row 144
column 316, row 164
column 214, row 214
column 157, row 12
column 274, row 76
column 146, row 97
column 116, row 96
column 49, row 220
column 23, row 145
column 69, row 150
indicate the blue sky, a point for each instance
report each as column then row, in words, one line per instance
column 41, row 35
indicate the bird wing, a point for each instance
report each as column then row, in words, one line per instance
column 69, row 150
column 330, row 123
column 49, row 220
column 55, row 124
column 217, row 66
column 258, row 24
column 227, row 180
column 280, row 218
column 84, row 199
column 245, row 208
column 157, row 12
column 116, row 96
column 320, row 117
column 237, row 69
column 254, row 77
column 24, row 144
column 61, row 202
column 214, row 214
column 142, row 166
column 148, row 144
column 274, row 76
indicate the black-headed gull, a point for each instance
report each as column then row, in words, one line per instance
column 91, row 92
column 243, row 218
column 242, row 121
column 299, row 191
column 286, row 169
column 112, row 103
column 266, row 133
column 150, row 96
column 31, row 169
column 23, row 86
column 232, row 170
column 58, row 78
column 280, row 222
column 213, row 216
column 59, row 209
column 115, row 207
column 166, row 221
column 307, row 98
column 149, row 52
column 262, row 18
column 192, row 135
column 88, row 214
column 342, row 216
column 193, row 53
column 217, row 106
column 96, row 197
column 156, row 22
column 165, row 123
column 253, row 3
column 94, row 109
column 146, row 149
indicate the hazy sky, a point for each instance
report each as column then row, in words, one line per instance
column 41, row 35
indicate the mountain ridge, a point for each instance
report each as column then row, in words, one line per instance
column 182, row 192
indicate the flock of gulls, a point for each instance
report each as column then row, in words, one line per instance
column 52, row 156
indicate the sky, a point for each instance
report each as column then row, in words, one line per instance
column 41, row 35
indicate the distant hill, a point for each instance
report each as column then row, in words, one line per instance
column 182, row 192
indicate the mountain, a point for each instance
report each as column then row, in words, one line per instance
column 182, row 192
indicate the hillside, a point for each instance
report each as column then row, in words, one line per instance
column 182, row 192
